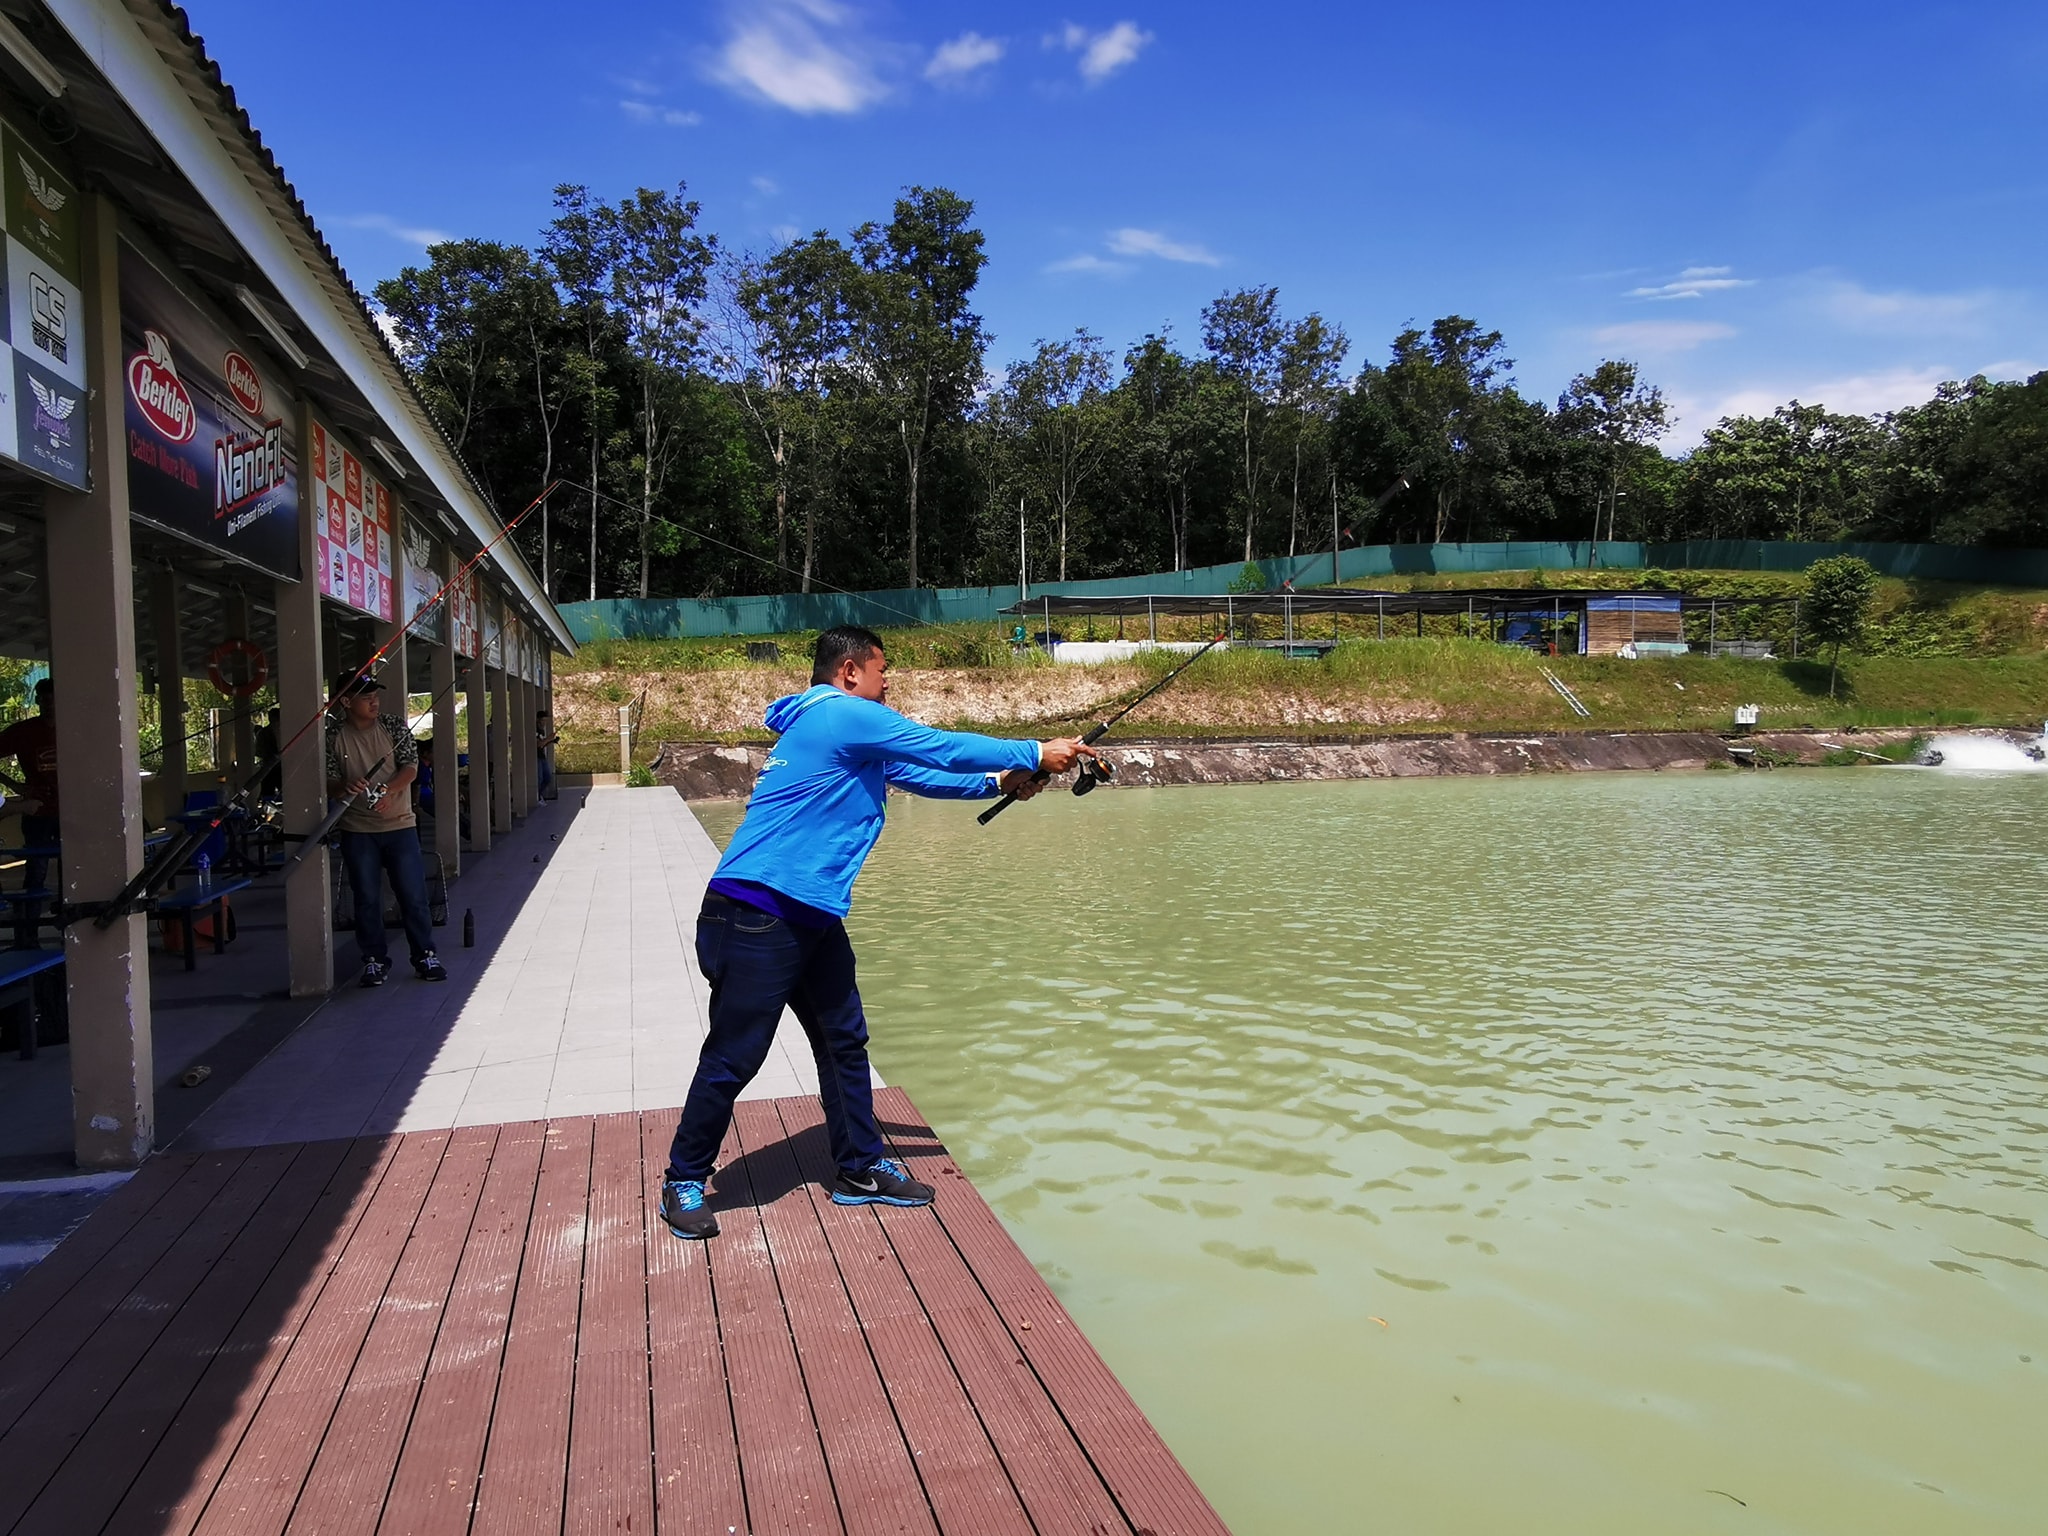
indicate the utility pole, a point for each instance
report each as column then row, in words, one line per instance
column 1023, row 566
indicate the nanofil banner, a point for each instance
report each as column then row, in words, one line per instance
column 211, row 451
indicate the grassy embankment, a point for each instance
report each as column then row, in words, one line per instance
column 1936, row 656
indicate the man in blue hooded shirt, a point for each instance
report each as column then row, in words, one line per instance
column 771, row 934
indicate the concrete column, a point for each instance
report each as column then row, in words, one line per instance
column 392, row 674
column 520, row 730
column 501, row 730
column 301, row 690
column 547, row 702
column 170, row 687
column 447, row 796
column 92, row 659
column 477, row 740
column 241, row 728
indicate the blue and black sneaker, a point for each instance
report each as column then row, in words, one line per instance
column 682, row 1207
column 888, row 1182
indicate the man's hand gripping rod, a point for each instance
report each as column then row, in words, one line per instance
column 1095, row 733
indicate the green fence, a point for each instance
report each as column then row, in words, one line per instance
column 661, row 618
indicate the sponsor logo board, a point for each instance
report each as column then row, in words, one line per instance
column 201, row 463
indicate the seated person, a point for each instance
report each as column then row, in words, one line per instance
column 32, row 743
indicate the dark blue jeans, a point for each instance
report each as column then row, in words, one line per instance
column 757, row 964
column 370, row 855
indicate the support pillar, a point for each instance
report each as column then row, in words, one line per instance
column 476, row 736
column 92, row 660
column 170, row 687
column 547, row 703
column 241, row 727
column 301, row 691
column 447, row 765
column 501, row 727
column 522, row 745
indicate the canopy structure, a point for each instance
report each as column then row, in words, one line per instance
column 218, row 490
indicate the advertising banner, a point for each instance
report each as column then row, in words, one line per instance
column 422, row 583
column 354, row 536
column 462, row 608
column 211, row 451
column 494, row 637
column 42, row 317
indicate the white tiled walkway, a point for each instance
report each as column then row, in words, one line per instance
column 589, row 1002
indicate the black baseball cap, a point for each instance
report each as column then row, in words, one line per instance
column 347, row 685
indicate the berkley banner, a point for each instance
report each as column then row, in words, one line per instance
column 42, row 317
column 355, row 534
column 211, row 450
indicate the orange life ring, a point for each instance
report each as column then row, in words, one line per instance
column 255, row 668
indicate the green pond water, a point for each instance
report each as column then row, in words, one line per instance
column 1600, row 1153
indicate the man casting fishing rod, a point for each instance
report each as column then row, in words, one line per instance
column 771, row 933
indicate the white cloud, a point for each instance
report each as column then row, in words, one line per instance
column 384, row 223
column 1693, row 283
column 801, row 54
column 1102, row 53
column 1902, row 313
column 1658, row 336
column 1150, row 242
column 784, row 233
column 1088, row 261
column 654, row 112
column 963, row 56
column 765, row 185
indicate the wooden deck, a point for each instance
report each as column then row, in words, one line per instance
column 487, row 1329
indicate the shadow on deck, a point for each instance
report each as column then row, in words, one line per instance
column 488, row 1328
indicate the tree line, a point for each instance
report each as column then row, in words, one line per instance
column 833, row 413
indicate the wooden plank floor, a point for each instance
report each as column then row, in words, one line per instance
column 489, row 1330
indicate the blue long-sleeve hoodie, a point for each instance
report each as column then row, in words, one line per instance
column 816, row 809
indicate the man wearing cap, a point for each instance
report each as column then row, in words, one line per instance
column 372, row 759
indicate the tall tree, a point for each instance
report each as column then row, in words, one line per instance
column 451, row 321
column 1612, row 406
column 919, row 341
column 1311, row 374
column 578, row 256
column 787, row 330
column 1060, row 392
column 657, row 274
column 1441, row 386
column 1244, row 334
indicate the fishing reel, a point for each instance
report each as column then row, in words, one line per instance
column 1091, row 771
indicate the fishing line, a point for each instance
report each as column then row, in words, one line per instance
column 152, row 878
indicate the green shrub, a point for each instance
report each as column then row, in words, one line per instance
column 640, row 776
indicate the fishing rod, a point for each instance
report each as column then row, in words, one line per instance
column 374, row 793
column 154, row 876
column 1090, row 772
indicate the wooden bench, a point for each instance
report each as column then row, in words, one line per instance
column 19, row 968
column 190, row 900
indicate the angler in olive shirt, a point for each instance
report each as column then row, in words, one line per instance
column 371, row 756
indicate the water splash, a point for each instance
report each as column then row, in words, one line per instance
column 1987, row 754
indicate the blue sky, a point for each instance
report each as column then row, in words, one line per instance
column 1845, row 203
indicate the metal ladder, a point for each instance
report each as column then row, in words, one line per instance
column 1567, row 695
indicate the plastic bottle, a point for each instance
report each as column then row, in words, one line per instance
column 205, row 867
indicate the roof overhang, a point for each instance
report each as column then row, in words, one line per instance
column 150, row 59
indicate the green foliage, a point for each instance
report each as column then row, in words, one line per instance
column 1839, row 593
column 640, row 776
column 825, row 416
column 1250, row 579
